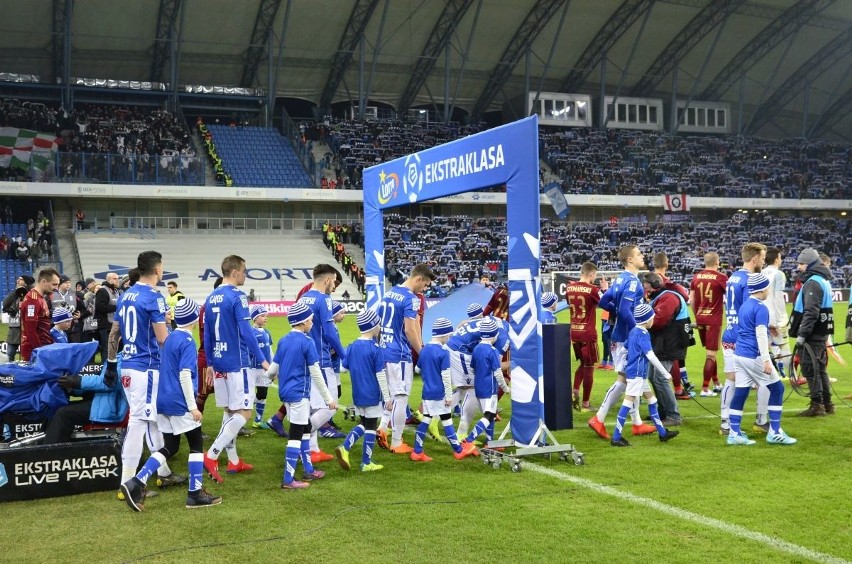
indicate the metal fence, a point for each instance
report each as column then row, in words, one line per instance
column 128, row 169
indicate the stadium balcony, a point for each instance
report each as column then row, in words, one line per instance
column 259, row 156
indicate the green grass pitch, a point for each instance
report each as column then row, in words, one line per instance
column 791, row 504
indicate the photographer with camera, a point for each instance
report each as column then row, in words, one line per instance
column 12, row 307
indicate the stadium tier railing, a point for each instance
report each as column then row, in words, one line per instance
column 146, row 227
column 128, row 169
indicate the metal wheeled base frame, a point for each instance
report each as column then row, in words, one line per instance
column 494, row 455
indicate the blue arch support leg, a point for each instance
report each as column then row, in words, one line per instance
column 506, row 155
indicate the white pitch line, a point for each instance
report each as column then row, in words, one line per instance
column 771, row 542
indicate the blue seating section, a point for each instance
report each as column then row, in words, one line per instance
column 9, row 272
column 14, row 230
column 259, row 156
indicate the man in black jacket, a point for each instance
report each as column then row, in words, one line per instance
column 812, row 323
column 105, row 301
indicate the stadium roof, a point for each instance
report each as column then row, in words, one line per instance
column 781, row 56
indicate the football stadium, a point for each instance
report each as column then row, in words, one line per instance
column 426, row 280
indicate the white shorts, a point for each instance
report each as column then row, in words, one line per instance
column 140, row 388
column 234, row 390
column 435, row 408
column 730, row 360
column 299, row 412
column 488, row 404
column 619, row 357
column 460, row 370
column 331, row 380
column 261, row 380
column 400, row 375
column 750, row 371
column 370, row 412
column 177, row 424
column 782, row 338
column 636, row 387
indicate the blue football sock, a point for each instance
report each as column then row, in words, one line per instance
column 620, row 419
column 450, row 432
column 259, row 406
column 776, row 398
column 655, row 416
column 291, row 459
column 478, row 429
column 306, row 454
column 735, row 414
column 369, row 443
column 150, row 467
column 356, row 433
column 489, row 431
column 419, row 435
column 195, row 467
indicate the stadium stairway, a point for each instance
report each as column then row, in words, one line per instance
column 276, row 263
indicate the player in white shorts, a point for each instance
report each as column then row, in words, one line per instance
column 140, row 323
column 178, row 413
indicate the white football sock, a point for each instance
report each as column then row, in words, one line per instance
column 131, row 451
column 399, row 404
column 613, row 395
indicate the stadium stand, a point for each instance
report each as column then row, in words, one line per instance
column 628, row 162
column 356, row 145
column 194, row 260
column 259, row 156
column 111, row 143
column 462, row 248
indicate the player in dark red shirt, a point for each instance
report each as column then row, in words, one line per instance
column 204, row 387
column 35, row 313
column 706, row 297
column 583, row 298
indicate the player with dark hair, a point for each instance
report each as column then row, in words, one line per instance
column 324, row 333
column 400, row 335
column 35, row 313
column 229, row 342
column 177, row 414
column 140, row 324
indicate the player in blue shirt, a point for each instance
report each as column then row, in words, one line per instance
column 620, row 300
column 140, row 324
column 229, row 344
column 460, row 344
column 487, row 379
column 754, row 366
column 370, row 393
column 736, row 293
column 400, row 335
column 327, row 339
column 639, row 354
column 434, row 364
column 62, row 319
column 548, row 306
column 177, row 413
column 296, row 363
column 264, row 341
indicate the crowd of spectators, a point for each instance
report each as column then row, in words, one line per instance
column 336, row 237
column 115, row 143
column 461, row 248
column 628, row 162
column 615, row 161
column 356, row 145
column 30, row 242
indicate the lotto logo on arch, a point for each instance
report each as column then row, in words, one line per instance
column 388, row 186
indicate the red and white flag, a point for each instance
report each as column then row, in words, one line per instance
column 675, row 202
